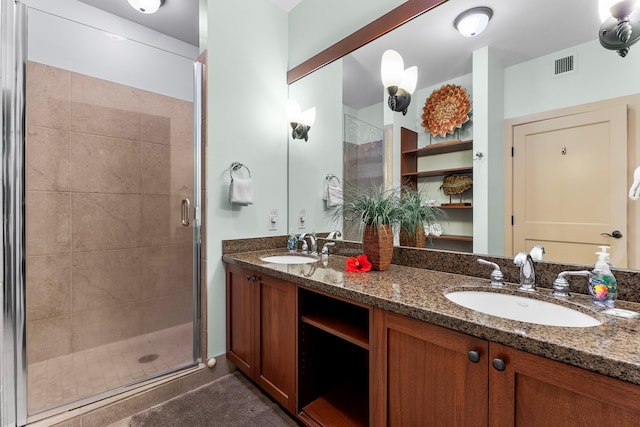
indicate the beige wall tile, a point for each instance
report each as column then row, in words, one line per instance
column 48, row 96
column 105, row 278
column 167, row 170
column 48, row 338
column 161, row 225
column 167, row 311
column 104, row 165
column 92, row 328
column 166, row 270
column 48, row 286
column 104, row 108
column 105, row 221
column 48, row 223
column 156, row 109
column 47, row 159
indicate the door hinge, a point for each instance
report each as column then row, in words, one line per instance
column 512, row 221
column 512, row 151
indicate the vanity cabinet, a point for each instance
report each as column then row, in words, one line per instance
column 261, row 331
column 425, row 375
column 429, row 375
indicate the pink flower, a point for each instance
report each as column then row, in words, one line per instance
column 358, row 264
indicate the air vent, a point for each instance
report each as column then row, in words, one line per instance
column 564, row 65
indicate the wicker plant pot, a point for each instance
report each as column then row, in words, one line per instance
column 413, row 240
column 377, row 244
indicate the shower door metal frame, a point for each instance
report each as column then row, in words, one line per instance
column 13, row 389
column 13, row 351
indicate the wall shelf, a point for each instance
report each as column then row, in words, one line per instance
column 440, row 148
column 451, row 238
column 439, row 172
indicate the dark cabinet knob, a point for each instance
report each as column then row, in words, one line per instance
column 474, row 356
column 499, row 364
column 252, row 278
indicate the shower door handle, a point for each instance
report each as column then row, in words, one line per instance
column 186, row 206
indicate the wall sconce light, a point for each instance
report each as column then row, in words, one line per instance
column 472, row 22
column 146, row 6
column 620, row 24
column 400, row 83
column 301, row 121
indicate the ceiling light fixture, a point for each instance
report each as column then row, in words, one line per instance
column 620, row 24
column 400, row 83
column 472, row 22
column 146, row 6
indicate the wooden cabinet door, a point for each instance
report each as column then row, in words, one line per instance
column 423, row 376
column 536, row 391
column 241, row 318
column 275, row 339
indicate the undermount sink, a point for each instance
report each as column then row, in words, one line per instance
column 289, row 259
column 523, row 309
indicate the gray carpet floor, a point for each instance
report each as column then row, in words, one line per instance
column 229, row 401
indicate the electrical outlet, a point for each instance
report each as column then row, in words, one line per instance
column 301, row 220
column 273, row 222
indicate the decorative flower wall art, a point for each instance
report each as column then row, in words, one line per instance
column 446, row 110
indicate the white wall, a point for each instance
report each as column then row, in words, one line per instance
column 315, row 25
column 321, row 154
column 247, row 91
column 530, row 87
column 144, row 59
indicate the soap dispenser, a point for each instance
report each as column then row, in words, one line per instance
column 602, row 285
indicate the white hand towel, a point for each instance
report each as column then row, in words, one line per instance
column 334, row 196
column 241, row 191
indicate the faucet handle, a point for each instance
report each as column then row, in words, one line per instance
column 561, row 284
column 497, row 278
column 325, row 248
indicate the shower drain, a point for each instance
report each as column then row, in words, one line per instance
column 148, row 358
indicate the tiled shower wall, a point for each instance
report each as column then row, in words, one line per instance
column 107, row 168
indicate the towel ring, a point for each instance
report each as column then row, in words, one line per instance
column 236, row 166
column 331, row 176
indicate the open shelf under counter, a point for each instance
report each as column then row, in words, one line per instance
column 441, row 148
column 345, row 405
column 353, row 332
column 454, row 206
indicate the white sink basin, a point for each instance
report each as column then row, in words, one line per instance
column 523, row 309
column 289, row 259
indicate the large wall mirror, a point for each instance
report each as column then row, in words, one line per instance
column 538, row 80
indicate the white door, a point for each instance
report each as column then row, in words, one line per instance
column 569, row 186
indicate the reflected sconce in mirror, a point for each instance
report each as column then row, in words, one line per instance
column 620, row 27
column 472, row 22
column 400, row 83
column 301, row 121
column 146, row 6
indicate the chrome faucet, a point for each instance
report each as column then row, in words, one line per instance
column 312, row 240
column 497, row 278
column 561, row 284
column 527, row 271
column 334, row 235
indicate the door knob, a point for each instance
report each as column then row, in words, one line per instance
column 616, row 234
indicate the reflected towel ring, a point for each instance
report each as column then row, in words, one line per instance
column 331, row 176
column 236, row 166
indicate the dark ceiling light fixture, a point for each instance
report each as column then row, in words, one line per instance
column 146, row 6
column 400, row 83
column 472, row 22
column 620, row 27
column 300, row 121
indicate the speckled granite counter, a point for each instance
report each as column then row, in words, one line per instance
column 612, row 348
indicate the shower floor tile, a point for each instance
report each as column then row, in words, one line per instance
column 65, row 379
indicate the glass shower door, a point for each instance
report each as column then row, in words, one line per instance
column 109, row 258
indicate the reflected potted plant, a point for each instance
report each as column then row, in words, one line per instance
column 375, row 210
column 415, row 214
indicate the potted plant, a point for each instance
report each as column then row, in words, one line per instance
column 415, row 214
column 375, row 210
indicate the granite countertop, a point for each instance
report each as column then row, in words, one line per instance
column 612, row 349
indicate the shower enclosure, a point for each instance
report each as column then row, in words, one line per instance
column 101, row 250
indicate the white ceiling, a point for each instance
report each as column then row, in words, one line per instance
column 519, row 30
